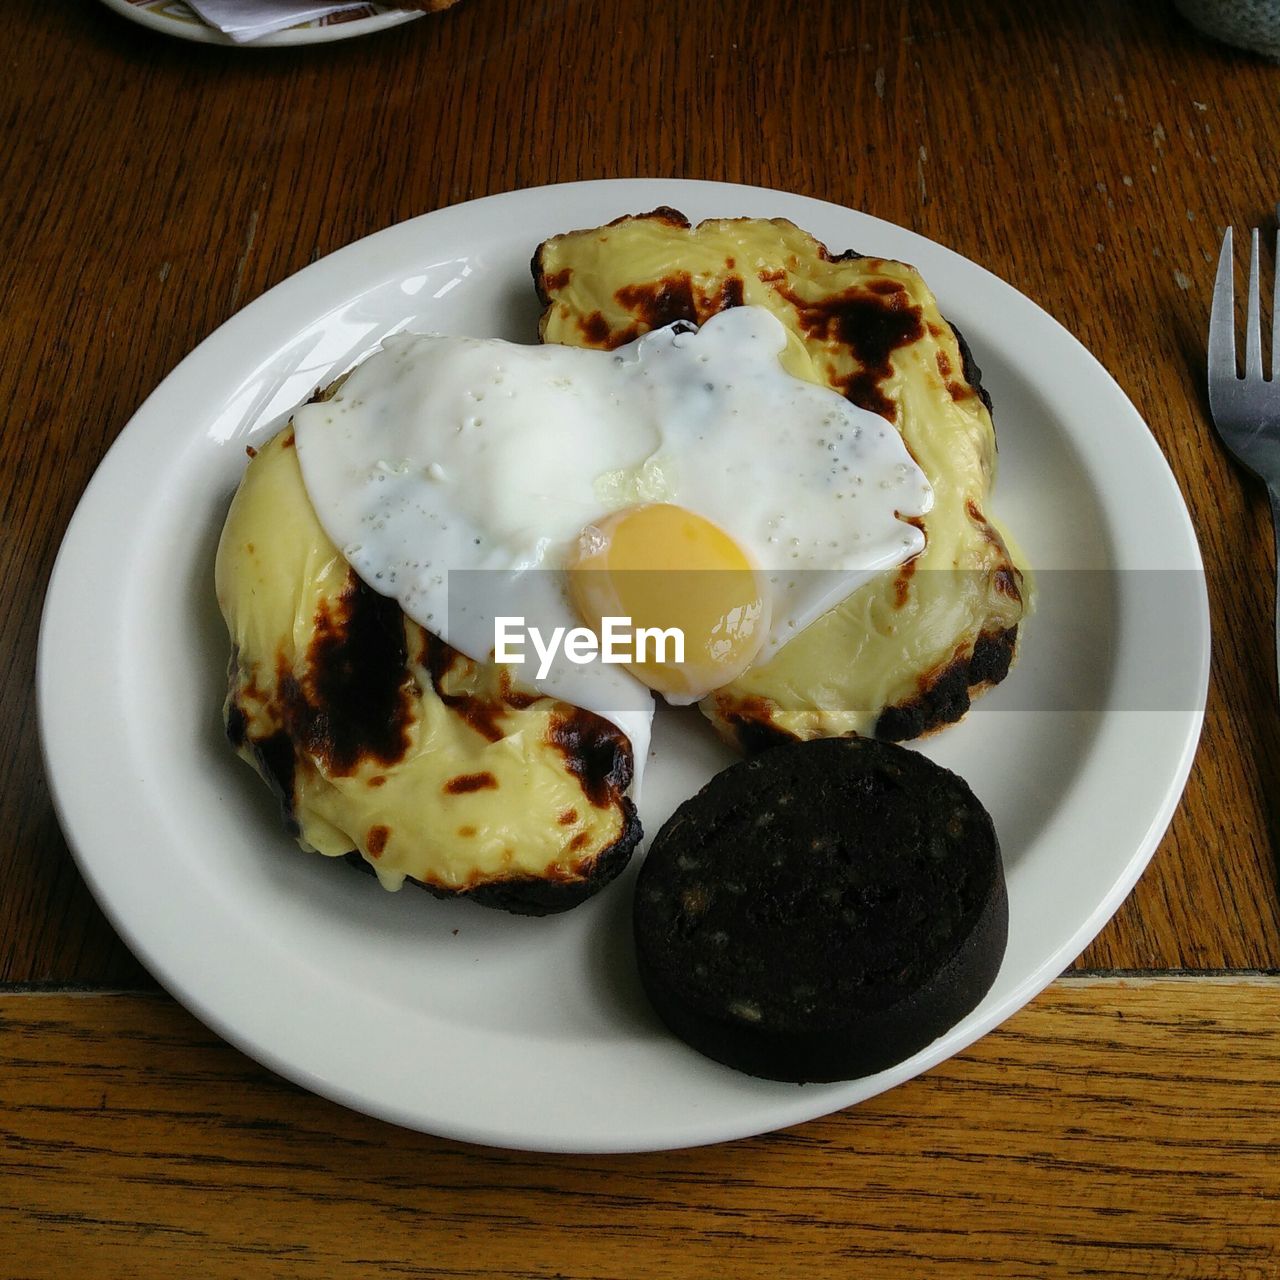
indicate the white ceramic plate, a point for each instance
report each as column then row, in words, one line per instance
column 534, row 1033
column 176, row 19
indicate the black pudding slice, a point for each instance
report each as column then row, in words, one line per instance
column 822, row 911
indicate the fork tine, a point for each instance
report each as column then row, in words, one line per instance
column 1275, row 312
column 1222, row 317
column 1253, row 317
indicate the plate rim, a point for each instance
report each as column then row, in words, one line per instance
column 688, row 1134
column 199, row 33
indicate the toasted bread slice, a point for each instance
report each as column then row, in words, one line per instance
column 903, row 655
column 379, row 738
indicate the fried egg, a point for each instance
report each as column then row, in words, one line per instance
column 685, row 478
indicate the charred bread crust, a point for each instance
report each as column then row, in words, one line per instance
column 969, row 369
column 822, row 911
column 757, row 733
column 535, row 896
column 944, row 698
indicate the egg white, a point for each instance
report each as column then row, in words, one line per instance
column 456, row 473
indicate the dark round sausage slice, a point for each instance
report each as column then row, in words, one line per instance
column 822, row 911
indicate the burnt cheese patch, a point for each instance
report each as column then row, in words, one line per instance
column 870, row 323
column 355, row 698
column 663, row 302
column 466, row 782
column 595, row 752
column 442, row 661
column 597, row 332
column 902, row 579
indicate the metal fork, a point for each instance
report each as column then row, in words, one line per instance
column 1246, row 410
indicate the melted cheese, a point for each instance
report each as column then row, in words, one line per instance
column 456, row 809
column 871, row 328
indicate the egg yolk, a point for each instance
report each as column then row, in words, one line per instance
column 662, row 567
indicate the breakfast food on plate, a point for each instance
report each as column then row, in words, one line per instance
column 446, row 485
column 822, row 911
column 903, row 654
column 376, row 735
column 772, row 460
column 571, row 481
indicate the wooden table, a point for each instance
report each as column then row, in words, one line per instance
column 1127, row 1123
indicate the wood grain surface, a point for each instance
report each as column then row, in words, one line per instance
column 1088, row 153
column 1108, row 1130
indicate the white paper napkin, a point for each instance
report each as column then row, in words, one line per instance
column 246, row 20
